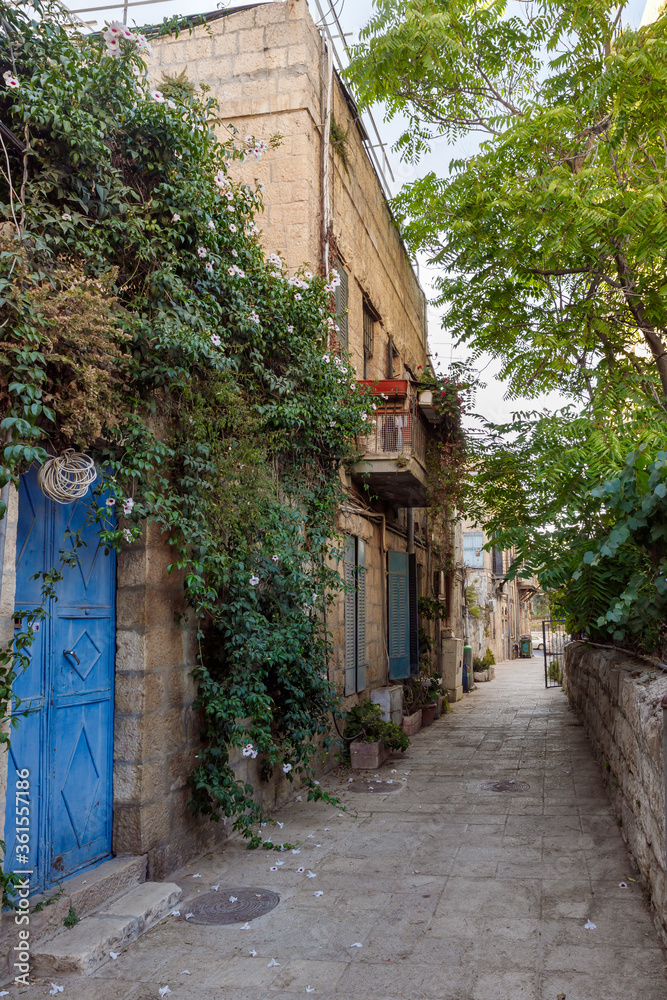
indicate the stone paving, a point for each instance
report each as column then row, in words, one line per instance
column 453, row 893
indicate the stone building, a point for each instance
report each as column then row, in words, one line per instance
column 497, row 609
column 112, row 690
column 271, row 72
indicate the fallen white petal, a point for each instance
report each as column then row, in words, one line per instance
column 4, row 993
column 357, row 944
column 393, row 770
column 215, row 887
column 233, row 899
column 273, row 868
column 55, row 989
column 281, row 825
column 197, row 875
column 164, row 991
column 622, row 885
column 311, row 874
column 589, row 925
column 272, row 963
column 318, row 845
column 298, row 798
column 349, row 780
column 296, row 850
column 114, row 954
column 189, row 915
column 186, row 972
column 310, row 989
column 253, row 953
column 311, row 836
column 389, row 781
column 175, row 913
column 320, row 892
column 246, row 926
column 278, row 864
column 326, row 829
column 340, row 814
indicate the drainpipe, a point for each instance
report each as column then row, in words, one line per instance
column 326, row 167
column 664, row 764
column 4, row 496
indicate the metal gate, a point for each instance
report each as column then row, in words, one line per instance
column 65, row 741
column 554, row 641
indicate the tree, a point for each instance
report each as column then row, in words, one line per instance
column 552, row 240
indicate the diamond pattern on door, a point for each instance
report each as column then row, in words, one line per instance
column 87, row 652
column 86, row 554
column 80, row 786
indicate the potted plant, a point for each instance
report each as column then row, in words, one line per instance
column 370, row 738
column 412, row 713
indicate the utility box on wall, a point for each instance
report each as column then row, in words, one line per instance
column 390, row 700
column 452, row 664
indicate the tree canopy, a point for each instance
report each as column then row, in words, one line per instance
column 552, row 244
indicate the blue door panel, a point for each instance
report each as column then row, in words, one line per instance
column 81, row 803
column 65, row 740
column 398, row 615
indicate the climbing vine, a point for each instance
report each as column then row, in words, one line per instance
column 141, row 322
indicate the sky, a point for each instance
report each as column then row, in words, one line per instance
column 491, row 401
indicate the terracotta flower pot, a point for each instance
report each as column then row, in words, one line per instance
column 412, row 723
column 368, row 756
column 428, row 713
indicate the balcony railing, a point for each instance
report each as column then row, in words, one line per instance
column 397, row 432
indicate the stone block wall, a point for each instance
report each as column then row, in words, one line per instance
column 156, row 731
column 618, row 699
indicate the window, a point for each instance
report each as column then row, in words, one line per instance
column 473, row 555
column 497, row 562
column 369, row 336
column 355, row 615
column 340, row 299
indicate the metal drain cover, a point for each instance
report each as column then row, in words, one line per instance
column 373, row 786
column 229, row 906
column 504, row 786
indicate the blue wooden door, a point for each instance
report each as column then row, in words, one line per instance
column 399, row 615
column 66, row 740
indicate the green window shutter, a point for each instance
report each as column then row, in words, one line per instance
column 399, row 617
column 340, row 298
column 361, row 614
column 350, row 616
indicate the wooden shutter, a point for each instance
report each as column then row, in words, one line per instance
column 361, row 614
column 398, row 617
column 350, row 617
column 340, row 298
column 472, row 549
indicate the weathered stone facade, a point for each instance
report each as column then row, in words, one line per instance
column 618, row 697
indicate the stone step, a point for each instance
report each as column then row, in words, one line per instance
column 86, row 945
column 86, row 892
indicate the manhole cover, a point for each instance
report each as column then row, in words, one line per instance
column 373, row 786
column 229, row 906
column 504, row 786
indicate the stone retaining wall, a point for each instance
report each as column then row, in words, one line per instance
column 618, row 699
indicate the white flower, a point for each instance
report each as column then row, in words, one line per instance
column 216, row 339
column 220, row 179
column 320, row 892
column 208, row 267
column 287, row 768
column 273, row 963
column 273, row 868
column 248, row 750
column 245, row 926
column 110, row 502
column 296, row 850
column 314, row 597
column 301, row 870
column 253, row 953
column 232, row 227
column 189, row 916
column 215, row 887
column 128, row 534
column 275, row 557
column 364, row 416
column 622, row 885
column 308, row 275
column 310, row 989
column 254, row 580
column 175, row 217
column 164, row 991
column 211, row 225
column 298, row 296
column 170, row 104
column 229, row 195
column 201, row 251
column 114, row 955
column 275, row 259
column 156, row 95
column 197, row 875
column 589, row 925
column 233, row 899
column 66, row 216
column 253, row 228
column 311, row 874
column 55, row 989
column 12, row 83
column 290, row 329
column 325, row 357
column 254, row 318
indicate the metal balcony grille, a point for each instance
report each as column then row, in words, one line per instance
column 396, row 432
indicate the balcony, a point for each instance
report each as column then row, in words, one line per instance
column 393, row 466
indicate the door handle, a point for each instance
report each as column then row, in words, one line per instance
column 70, row 652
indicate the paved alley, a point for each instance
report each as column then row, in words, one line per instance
column 437, row 891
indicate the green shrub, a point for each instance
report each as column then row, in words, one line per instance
column 364, row 722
